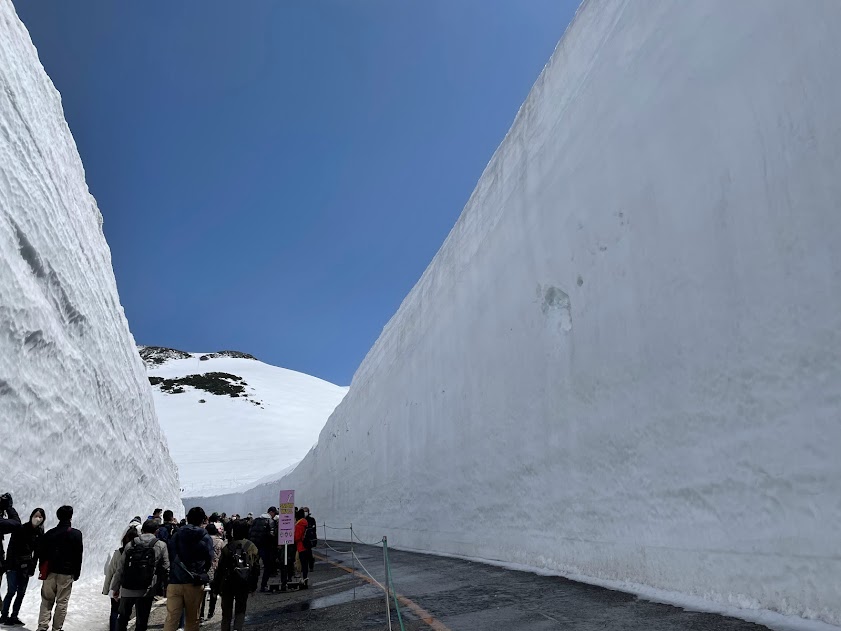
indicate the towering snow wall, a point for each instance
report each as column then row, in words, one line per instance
column 625, row 360
column 76, row 415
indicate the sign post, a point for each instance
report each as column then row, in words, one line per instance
column 286, row 522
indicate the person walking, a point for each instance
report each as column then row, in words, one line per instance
column 210, row 593
column 264, row 535
column 21, row 561
column 61, row 564
column 110, row 568
column 304, row 554
column 192, row 557
column 236, row 576
column 143, row 562
column 9, row 522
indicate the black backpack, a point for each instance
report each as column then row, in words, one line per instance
column 140, row 563
column 170, row 530
column 310, row 538
column 240, row 572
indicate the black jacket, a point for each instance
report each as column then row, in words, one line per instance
column 193, row 547
column 263, row 533
column 9, row 523
column 24, row 548
column 61, row 548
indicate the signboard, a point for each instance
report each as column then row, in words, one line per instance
column 286, row 519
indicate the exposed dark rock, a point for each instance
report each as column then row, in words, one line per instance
column 233, row 354
column 157, row 355
column 219, row 383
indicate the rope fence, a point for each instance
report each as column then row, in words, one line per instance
column 388, row 589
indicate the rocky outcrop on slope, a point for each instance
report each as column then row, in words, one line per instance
column 158, row 355
column 231, row 354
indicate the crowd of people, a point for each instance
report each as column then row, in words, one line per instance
column 192, row 564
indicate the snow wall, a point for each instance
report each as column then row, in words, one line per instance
column 625, row 360
column 76, row 414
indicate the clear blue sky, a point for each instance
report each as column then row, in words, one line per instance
column 276, row 175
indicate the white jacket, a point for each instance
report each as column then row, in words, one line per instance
column 110, row 568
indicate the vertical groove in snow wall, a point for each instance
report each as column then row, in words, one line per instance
column 78, row 424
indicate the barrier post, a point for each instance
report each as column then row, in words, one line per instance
column 352, row 557
column 385, row 582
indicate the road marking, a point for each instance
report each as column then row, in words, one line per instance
column 420, row 612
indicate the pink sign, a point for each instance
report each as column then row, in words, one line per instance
column 286, row 519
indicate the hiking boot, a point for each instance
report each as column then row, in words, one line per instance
column 15, row 621
column 305, row 584
column 4, row 620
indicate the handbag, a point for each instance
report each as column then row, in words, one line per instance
column 26, row 564
column 201, row 578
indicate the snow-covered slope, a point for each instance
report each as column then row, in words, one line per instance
column 230, row 442
column 77, row 419
column 625, row 361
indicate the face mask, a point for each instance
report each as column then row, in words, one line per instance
column 37, row 521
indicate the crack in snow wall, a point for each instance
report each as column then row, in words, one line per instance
column 625, row 361
column 78, row 423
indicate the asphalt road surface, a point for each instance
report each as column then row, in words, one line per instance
column 445, row 594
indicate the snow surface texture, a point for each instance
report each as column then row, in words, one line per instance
column 625, row 361
column 77, row 418
column 230, row 443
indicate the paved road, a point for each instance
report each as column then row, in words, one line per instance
column 452, row 595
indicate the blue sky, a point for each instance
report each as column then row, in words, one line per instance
column 276, row 175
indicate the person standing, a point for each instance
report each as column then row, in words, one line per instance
column 211, row 594
column 192, row 556
column 300, row 543
column 61, row 563
column 229, row 527
column 9, row 522
column 165, row 534
column 21, row 561
column 143, row 562
column 110, row 570
column 287, row 569
column 156, row 517
column 264, row 535
column 236, row 576
column 311, row 536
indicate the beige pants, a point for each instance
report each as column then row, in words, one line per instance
column 55, row 590
column 187, row 598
